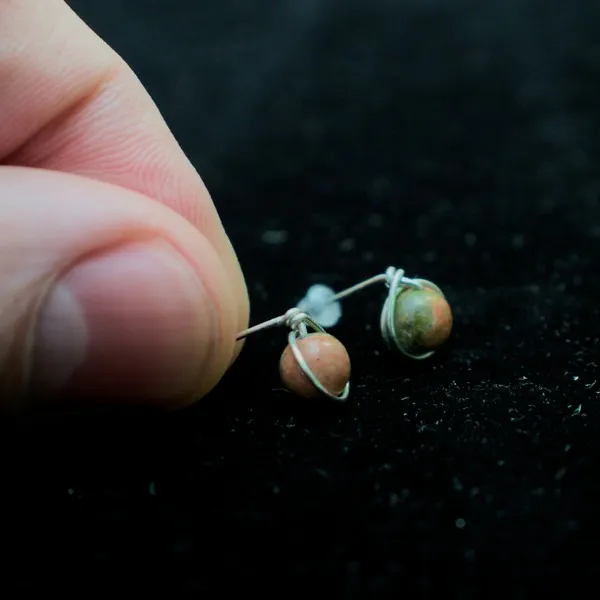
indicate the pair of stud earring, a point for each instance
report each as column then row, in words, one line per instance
column 416, row 319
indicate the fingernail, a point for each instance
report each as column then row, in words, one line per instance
column 133, row 322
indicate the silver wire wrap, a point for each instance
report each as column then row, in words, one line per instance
column 397, row 283
column 299, row 323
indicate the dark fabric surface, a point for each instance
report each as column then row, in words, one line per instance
column 458, row 140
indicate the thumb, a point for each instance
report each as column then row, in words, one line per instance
column 106, row 295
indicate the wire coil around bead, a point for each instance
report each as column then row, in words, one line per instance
column 397, row 284
column 299, row 323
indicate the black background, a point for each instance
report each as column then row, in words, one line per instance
column 458, row 140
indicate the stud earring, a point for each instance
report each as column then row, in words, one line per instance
column 314, row 364
column 416, row 317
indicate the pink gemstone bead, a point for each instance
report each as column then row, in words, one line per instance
column 326, row 357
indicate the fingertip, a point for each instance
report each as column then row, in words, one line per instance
column 125, row 301
column 132, row 324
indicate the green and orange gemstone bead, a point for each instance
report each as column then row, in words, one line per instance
column 422, row 320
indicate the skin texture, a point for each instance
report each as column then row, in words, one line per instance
column 100, row 205
column 326, row 357
column 423, row 320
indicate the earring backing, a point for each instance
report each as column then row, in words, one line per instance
column 415, row 318
column 312, row 365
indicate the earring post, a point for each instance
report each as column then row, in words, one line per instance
column 275, row 322
column 359, row 286
column 283, row 319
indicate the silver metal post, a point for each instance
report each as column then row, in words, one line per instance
column 276, row 322
column 359, row 286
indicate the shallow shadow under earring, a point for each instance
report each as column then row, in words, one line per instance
column 416, row 317
column 313, row 365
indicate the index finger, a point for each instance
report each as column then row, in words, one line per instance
column 68, row 102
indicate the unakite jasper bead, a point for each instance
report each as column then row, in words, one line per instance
column 422, row 319
column 326, row 357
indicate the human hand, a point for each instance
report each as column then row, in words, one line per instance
column 117, row 280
